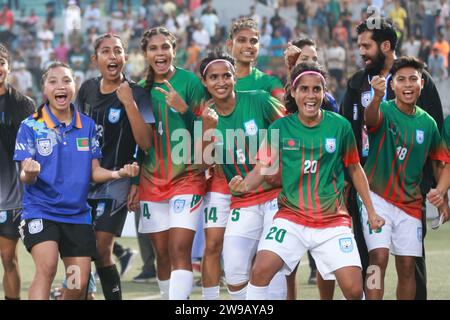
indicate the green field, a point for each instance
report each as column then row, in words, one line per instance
column 438, row 271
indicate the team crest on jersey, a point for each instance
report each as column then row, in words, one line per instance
column 35, row 226
column 3, row 216
column 420, row 135
column 419, row 234
column 44, row 146
column 330, row 145
column 178, row 205
column 366, row 97
column 346, row 245
column 114, row 115
column 100, row 210
column 250, row 127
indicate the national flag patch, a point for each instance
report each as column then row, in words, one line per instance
column 291, row 144
column 82, row 144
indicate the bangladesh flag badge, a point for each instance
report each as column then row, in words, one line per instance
column 82, row 144
column 291, row 144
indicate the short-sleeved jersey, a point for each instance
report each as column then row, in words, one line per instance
column 402, row 143
column 239, row 136
column 312, row 161
column 114, row 131
column 446, row 140
column 258, row 80
column 65, row 154
column 163, row 176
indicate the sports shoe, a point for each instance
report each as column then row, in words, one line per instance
column 145, row 276
column 312, row 278
column 126, row 261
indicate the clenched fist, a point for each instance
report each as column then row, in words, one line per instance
column 378, row 84
column 124, row 93
column 129, row 170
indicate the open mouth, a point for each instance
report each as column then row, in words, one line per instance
column 161, row 64
column 222, row 90
column 409, row 94
column 113, row 67
column 310, row 106
column 61, row 98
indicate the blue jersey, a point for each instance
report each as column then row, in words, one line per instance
column 65, row 154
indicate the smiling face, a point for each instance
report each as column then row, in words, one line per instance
column 159, row 54
column 308, row 95
column 110, row 58
column 407, row 84
column 244, row 46
column 59, row 88
column 219, row 80
column 4, row 71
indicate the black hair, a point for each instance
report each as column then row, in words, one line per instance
column 242, row 24
column 149, row 79
column 291, row 105
column 407, row 61
column 4, row 53
column 300, row 43
column 214, row 55
column 104, row 36
column 385, row 31
column 53, row 65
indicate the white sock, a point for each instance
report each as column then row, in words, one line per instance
column 278, row 287
column 257, row 293
column 238, row 295
column 164, row 286
column 364, row 296
column 211, row 293
column 181, row 284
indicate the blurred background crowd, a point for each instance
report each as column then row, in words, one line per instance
column 40, row 31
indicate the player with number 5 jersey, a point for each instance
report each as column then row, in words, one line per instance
column 243, row 119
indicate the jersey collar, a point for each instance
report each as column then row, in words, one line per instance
column 51, row 121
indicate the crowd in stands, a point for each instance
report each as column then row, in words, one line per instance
column 36, row 40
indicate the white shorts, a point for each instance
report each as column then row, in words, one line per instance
column 332, row 248
column 181, row 211
column 251, row 222
column 402, row 233
column 216, row 209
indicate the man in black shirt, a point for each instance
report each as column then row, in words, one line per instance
column 377, row 48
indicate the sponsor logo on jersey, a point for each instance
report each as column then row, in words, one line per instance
column 20, row 147
column 82, row 144
column 346, row 245
column 35, row 226
column 291, row 144
column 330, row 145
column 100, row 210
column 420, row 135
column 3, row 216
column 178, row 205
column 366, row 97
column 114, row 115
column 44, row 146
column 250, row 127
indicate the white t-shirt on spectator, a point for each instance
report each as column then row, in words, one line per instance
column 201, row 37
column 210, row 21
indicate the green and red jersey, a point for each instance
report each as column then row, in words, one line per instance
column 258, row 80
column 312, row 161
column 161, row 178
column 239, row 137
column 402, row 143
